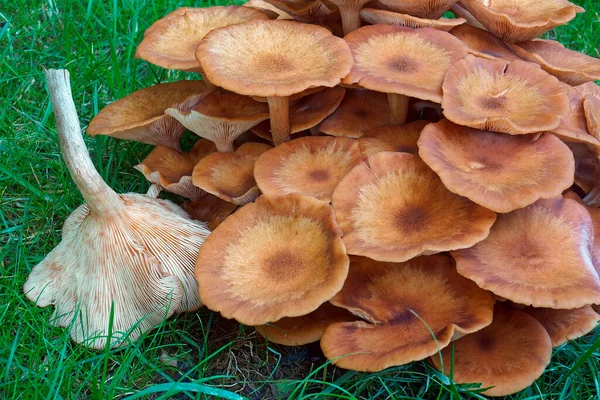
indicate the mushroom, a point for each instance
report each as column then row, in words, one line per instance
column 281, row 256
column 591, row 108
column 483, row 44
column 172, row 170
column 297, row 331
column 430, row 9
column 396, row 208
column 539, row 255
column 402, row 62
column 460, row 12
column 222, row 117
column 567, row 65
column 141, row 116
column 267, row 8
column 281, row 58
column 307, row 11
column 519, row 20
column 391, row 138
column 229, row 176
column 375, row 16
column 349, row 10
column 500, row 172
column 209, row 209
column 171, row 41
column 565, row 325
column 506, row 356
column 359, row 111
column 307, row 112
column 514, row 97
column 573, row 128
column 413, row 309
column 125, row 262
column 311, row 166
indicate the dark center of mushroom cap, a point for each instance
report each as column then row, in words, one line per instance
column 411, row 220
column 404, row 64
column 406, row 316
column 283, row 264
column 319, row 175
column 494, row 103
column 274, row 64
column 486, row 343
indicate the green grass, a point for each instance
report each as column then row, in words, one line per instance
column 96, row 41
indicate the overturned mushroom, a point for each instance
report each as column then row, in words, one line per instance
column 432, row 9
column 259, row 265
column 412, row 309
column 125, row 261
column 539, row 255
column 375, row 16
column 500, row 172
column 505, row 357
column 281, row 58
column 513, row 97
column 141, row 116
column 172, row 170
column 396, row 208
column 312, row 166
column 222, row 117
column 229, row 176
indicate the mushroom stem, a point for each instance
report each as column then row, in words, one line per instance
column 398, row 108
column 279, row 112
column 350, row 19
column 100, row 198
column 154, row 190
column 224, row 147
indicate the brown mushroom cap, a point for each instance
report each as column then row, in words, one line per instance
column 141, row 116
column 308, row 11
column 281, row 256
column 594, row 213
column 460, row 12
column 307, row 111
column 482, row 43
column 519, row 20
column 396, row 208
column 506, row 356
column 222, row 117
column 573, row 128
column 311, row 166
column 414, row 308
column 229, row 176
column 591, row 108
column 172, row 170
column 171, row 42
column 400, row 60
column 567, row 65
column 586, row 175
column 538, row 255
column 280, row 57
column 431, row 9
column 375, row 16
column 565, row 325
column 393, row 138
column 209, row 209
column 500, row 172
column 297, row 331
column 359, row 111
column 514, row 97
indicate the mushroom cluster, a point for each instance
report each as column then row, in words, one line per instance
column 398, row 185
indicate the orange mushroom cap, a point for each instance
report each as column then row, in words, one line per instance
column 396, row 208
column 413, row 309
column 359, row 111
column 281, row 256
column 141, row 116
column 500, row 172
column 567, row 65
column 513, row 97
column 375, row 16
column 307, row 111
column 171, row 42
column 519, row 20
column 393, row 138
column 591, row 108
column 222, row 117
column 506, row 356
column 297, row 331
column 573, row 128
column 432, row 9
column 209, row 209
column 281, row 58
column 539, row 255
column 172, row 170
column 483, row 44
column 229, row 176
column 565, row 325
column 311, row 166
column 400, row 60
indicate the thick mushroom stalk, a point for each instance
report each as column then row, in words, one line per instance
column 125, row 262
column 279, row 112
